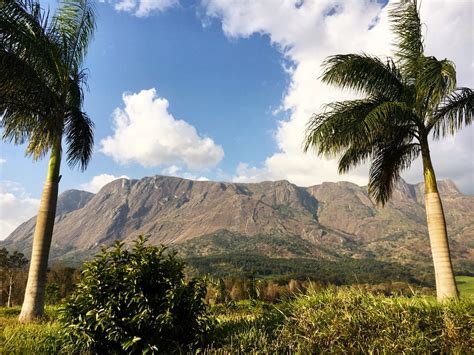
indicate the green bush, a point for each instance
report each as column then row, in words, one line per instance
column 135, row 301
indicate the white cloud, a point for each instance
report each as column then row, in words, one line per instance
column 98, row 181
column 145, row 132
column 175, row 170
column 143, row 8
column 16, row 206
column 3, row 161
column 305, row 35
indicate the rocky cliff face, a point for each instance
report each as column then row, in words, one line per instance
column 273, row 218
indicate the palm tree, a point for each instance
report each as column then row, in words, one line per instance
column 41, row 99
column 407, row 100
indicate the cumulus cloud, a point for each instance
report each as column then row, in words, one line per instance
column 306, row 33
column 98, row 181
column 145, row 132
column 143, row 8
column 16, row 206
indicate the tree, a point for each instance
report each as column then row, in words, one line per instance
column 135, row 301
column 41, row 98
column 9, row 264
column 407, row 99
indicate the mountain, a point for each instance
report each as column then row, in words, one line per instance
column 326, row 221
column 69, row 201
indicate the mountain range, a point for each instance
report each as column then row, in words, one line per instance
column 273, row 218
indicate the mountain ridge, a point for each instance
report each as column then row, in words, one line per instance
column 332, row 218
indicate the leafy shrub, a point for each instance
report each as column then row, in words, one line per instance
column 135, row 301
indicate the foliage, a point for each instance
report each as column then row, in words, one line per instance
column 10, row 266
column 52, row 295
column 347, row 321
column 355, row 321
column 15, row 260
column 41, row 76
column 134, row 301
column 335, row 320
column 339, row 272
column 64, row 277
column 405, row 100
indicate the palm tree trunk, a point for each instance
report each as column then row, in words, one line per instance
column 33, row 304
column 445, row 281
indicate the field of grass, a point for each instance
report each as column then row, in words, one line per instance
column 334, row 320
column 466, row 285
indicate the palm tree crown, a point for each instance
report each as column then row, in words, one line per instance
column 41, row 77
column 408, row 98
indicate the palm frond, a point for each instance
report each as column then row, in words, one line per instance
column 436, row 80
column 455, row 112
column 24, row 33
column 406, row 25
column 392, row 114
column 357, row 124
column 390, row 158
column 79, row 136
column 355, row 155
column 364, row 74
column 75, row 21
column 41, row 80
column 342, row 125
column 22, row 87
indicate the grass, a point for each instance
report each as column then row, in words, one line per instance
column 34, row 338
column 466, row 285
column 337, row 320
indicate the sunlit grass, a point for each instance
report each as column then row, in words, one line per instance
column 334, row 320
column 466, row 285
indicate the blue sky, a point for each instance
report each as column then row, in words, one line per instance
column 226, row 89
column 234, row 82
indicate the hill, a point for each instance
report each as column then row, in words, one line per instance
column 273, row 219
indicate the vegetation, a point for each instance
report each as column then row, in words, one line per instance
column 466, row 285
column 342, row 271
column 135, row 301
column 10, row 264
column 41, row 99
column 333, row 320
column 408, row 99
column 138, row 300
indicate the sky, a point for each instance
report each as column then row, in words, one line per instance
column 223, row 89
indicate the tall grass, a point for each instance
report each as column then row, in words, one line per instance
column 343, row 320
column 34, row 338
column 355, row 321
column 350, row 321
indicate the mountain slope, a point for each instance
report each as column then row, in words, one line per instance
column 69, row 201
column 271, row 218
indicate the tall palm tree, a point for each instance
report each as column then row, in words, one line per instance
column 407, row 100
column 41, row 99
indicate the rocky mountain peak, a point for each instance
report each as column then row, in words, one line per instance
column 336, row 218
